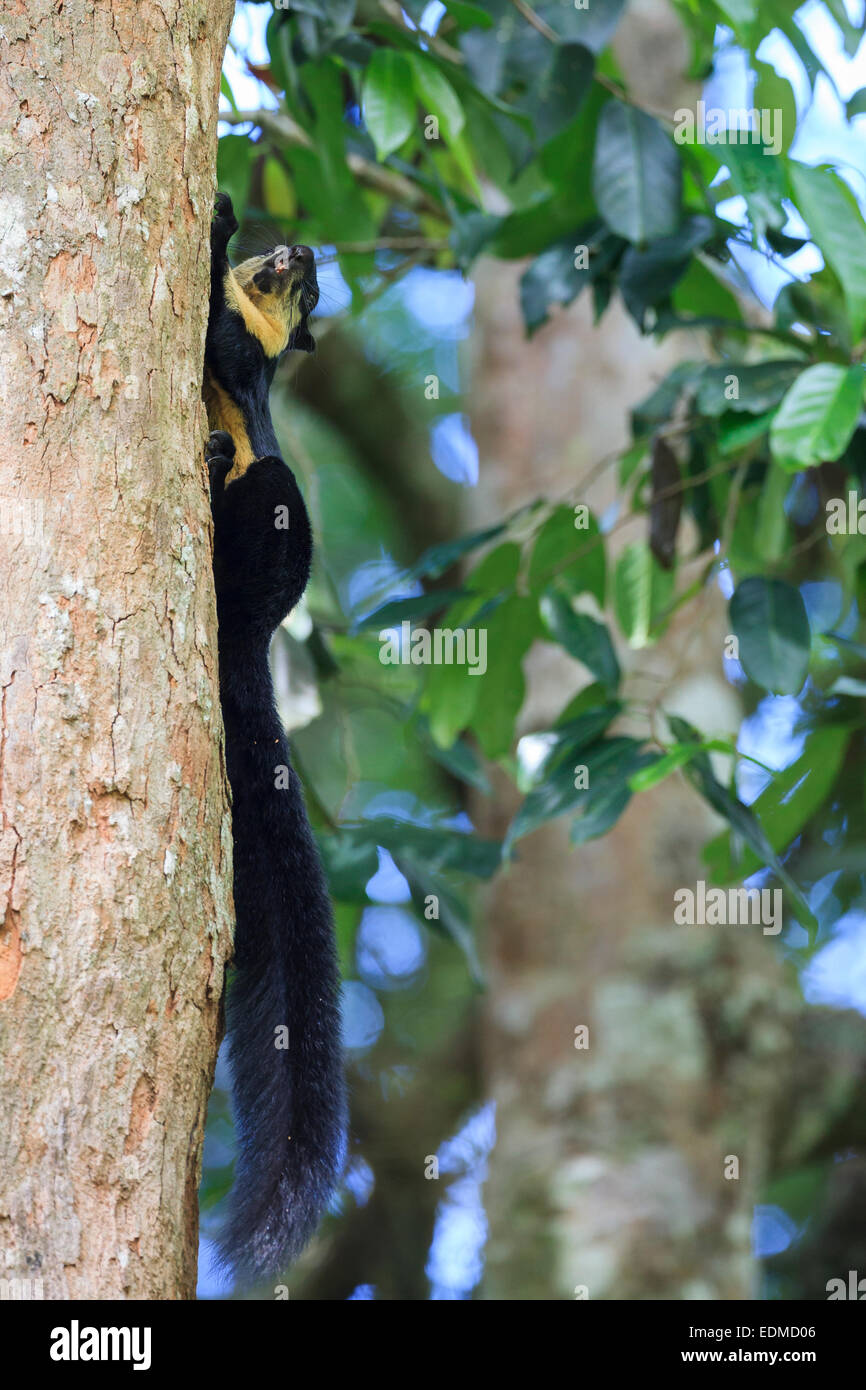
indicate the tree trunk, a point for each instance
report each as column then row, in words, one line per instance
column 607, row 1174
column 115, row 856
column 612, row 1174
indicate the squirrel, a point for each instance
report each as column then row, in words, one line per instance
column 289, row 1103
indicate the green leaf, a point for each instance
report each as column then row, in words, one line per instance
column 449, row 700
column 818, row 416
column 234, row 170
column 279, row 194
column 754, row 387
column 350, row 862
column 555, row 277
column 555, row 97
column 440, row 847
column 606, row 800
column 774, row 93
column 801, row 1192
column 772, row 521
column 648, row 277
column 582, row 637
column 460, row 760
column 389, row 101
column 674, row 758
column 780, row 14
column 324, row 182
column 856, row 105
column 493, row 577
column 608, row 765
column 354, row 50
column 486, row 55
column 735, row 434
column 453, row 918
column 590, row 698
column 677, row 756
column 759, row 178
column 746, row 548
column 637, row 176
column 783, row 244
column 836, row 224
column 593, row 24
column 437, row 96
column 316, row 8
column 415, row 9
column 510, row 630
column 278, row 36
column 471, row 232
column 225, row 89
column 851, row 33
column 451, row 694
column 787, row 804
column 642, row 590
column 657, row 408
column 551, row 279
column 570, row 553
column 630, row 461
column 441, row 557
column 571, row 736
column 769, row 619
column 532, row 229
column 819, row 303
column 399, row 610
column 741, row 819
column 700, row 293
column 469, row 16
column 739, row 12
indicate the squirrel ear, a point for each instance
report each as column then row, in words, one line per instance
column 302, row 339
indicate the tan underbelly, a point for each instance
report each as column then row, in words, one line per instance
column 224, row 414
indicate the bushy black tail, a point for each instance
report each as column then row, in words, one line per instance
column 283, row 1015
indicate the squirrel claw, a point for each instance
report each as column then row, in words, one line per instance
column 219, row 445
column 224, row 213
column 219, row 456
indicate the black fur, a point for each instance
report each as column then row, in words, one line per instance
column 289, row 1104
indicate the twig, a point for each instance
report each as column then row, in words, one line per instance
column 282, row 129
column 705, row 589
column 608, row 83
column 622, row 95
column 395, row 13
column 391, row 243
column 535, row 20
column 669, row 431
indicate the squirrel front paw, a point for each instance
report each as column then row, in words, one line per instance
column 223, row 225
column 219, row 454
column 219, row 445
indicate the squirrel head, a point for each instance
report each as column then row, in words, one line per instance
column 282, row 286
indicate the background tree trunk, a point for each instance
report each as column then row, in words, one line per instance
column 115, row 856
column 607, row 1172
column 611, row 1170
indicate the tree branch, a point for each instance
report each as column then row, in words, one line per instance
column 535, row 20
column 392, row 243
column 283, row 130
column 395, row 13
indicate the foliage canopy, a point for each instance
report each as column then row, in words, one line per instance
column 510, row 132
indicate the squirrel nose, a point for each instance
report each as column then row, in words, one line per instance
column 302, row 255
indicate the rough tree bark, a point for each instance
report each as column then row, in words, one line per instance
column 115, row 845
